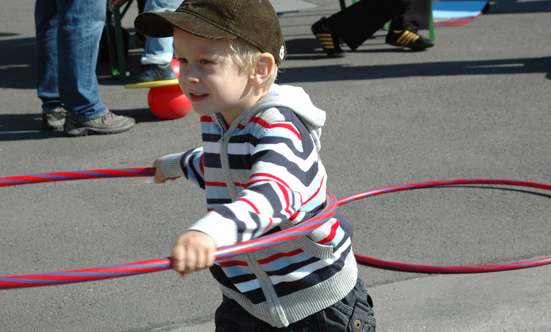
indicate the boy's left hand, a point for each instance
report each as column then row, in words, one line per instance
column 159, row 176
column 192, row 252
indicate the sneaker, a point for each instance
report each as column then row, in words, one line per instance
column 55, row 119
column 150, row 73
column 328, row 40
column 408, row 38
column 107, row 124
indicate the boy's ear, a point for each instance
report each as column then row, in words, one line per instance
column 263, row 69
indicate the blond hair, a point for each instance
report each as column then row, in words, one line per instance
column 247, row 56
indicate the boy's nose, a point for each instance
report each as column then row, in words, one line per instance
column 190, row 74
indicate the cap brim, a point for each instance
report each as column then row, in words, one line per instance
column 159, row 25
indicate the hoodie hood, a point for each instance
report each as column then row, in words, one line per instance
column 297, row 100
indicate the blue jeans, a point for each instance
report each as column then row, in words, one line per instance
column 353, row 313
column 67, row 45
column 159, row 51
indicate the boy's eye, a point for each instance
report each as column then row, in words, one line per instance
column 204, row 62
column 182, row 60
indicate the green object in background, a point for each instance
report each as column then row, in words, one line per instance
column 117, row 57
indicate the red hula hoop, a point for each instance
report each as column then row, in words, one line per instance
column 128, row 269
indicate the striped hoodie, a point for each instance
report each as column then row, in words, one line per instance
column 261, row 175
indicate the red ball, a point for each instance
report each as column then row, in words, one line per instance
column 168, row 102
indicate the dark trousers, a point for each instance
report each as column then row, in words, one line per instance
column 416, row 17
column 358, row 22
column 353, row 313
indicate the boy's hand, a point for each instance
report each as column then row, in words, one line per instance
column 193, row 251
column 159, row 176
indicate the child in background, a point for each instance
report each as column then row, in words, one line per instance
column 260, row 168
column 158, row 52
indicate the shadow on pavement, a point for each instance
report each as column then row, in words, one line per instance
column 445, row 68
column 17, row 69
column 20, row 127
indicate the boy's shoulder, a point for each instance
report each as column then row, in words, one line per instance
column 276, row 114
column 278, row 121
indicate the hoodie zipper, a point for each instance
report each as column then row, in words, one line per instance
column 224, row 160
column 262, row 277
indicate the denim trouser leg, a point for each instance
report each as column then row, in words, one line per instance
column 46, row 54
column 159, row 51
column 79, row 27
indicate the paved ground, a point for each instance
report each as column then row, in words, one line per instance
column 477, row 105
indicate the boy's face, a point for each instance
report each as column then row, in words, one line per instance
column 210, row 78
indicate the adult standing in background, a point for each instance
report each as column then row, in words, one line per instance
column 67, row 46
column 358, row 22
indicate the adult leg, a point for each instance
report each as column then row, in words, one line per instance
column 417, row 17
column 53, row 114
column 46, row 54
column 80, row 23
column 403, row 29
column 159, row 51
column 356, row 23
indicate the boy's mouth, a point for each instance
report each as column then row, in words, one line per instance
column 198, row 96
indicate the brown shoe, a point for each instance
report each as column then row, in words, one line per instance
column 107, row 124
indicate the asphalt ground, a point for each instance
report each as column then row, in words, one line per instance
column 477, row 105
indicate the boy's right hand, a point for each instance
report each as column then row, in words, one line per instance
column 192, row 252
column 159, row 176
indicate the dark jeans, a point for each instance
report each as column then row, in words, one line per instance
column 353, row 313
column 416, row 17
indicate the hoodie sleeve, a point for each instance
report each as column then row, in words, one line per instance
column 286, row 178
column 188, row 164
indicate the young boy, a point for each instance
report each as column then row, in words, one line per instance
column 260, row 167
